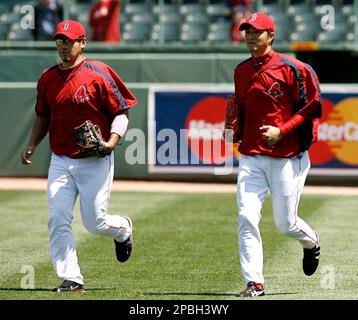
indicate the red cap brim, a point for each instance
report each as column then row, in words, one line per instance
column 257, row 26
column 69, row 35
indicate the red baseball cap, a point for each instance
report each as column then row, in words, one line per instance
column 259, row 21
column 71, row 29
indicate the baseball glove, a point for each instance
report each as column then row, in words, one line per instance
column 88, row 136
column 231, row 132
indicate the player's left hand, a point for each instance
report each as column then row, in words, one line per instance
column 109, row 146
column 271, row 134
column 26, row 154
column 112, row 143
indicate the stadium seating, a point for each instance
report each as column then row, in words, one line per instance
column 192, row 32
column 135, row 32
column 171, row 32
column 219, row 32
column 18, row 33
column 217, row 11
column 208, row 21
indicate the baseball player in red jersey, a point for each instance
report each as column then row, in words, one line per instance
column 279, row 105
column 69, row 93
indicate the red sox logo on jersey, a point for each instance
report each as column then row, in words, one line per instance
column 81, row 95
column 275, row 90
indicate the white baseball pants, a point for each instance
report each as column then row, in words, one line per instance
column 284, row 178
column 91, row 179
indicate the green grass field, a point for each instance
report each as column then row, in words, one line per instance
column 185, row 247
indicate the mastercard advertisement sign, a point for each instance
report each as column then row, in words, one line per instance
column 185, row 130
column 337, row 144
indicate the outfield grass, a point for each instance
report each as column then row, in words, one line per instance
column 185, row 247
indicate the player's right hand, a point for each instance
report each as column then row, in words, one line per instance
column 271, row 134
column 26, row 154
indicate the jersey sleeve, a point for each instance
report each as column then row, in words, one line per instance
column 42, row 108
column 306, row 90
column 117, row 96
column 308, row 94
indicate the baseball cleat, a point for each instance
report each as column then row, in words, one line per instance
column 253, row 290
column 70, row 286
column 310, row 260
column 124, row 249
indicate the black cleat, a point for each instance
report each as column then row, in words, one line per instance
column 253, row 290
column 69, row 286
column 310, row 260
column 124, row 249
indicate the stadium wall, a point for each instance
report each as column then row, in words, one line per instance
column 21, row 69
column 26, row 66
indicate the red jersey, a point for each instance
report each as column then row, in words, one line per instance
column 280, row 91
column 90, row 91
column 235, row 33
column 104, row 21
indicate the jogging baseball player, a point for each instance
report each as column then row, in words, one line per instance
column 278, row 101
column 70, row 94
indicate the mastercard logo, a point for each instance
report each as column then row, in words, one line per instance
column 338, row 133
column 204, row 126
column 337, row 136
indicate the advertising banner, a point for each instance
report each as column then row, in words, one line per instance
column 186, row 131
column 336, row 151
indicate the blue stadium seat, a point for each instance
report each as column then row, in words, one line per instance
column 84, row 19
column 142, row 18
column 9, row 18
column 271, row 9
column 347, row 10
column 220, row 26
column 218, row 36
column 300, row 8
column 339, row 33
column 218, row 11
column 171, row 32
column 282, row 33
column 17, row 33
column 308, row 19
column 168, row 8
column 304, row 32
column 350, row 36
column 136, row 8
column 192, row 32
column 79, row 9
column 351, row 22
column 219, row 31
column 135, row 32
column 196, row 18
column 170, row 18
column 192, row 8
